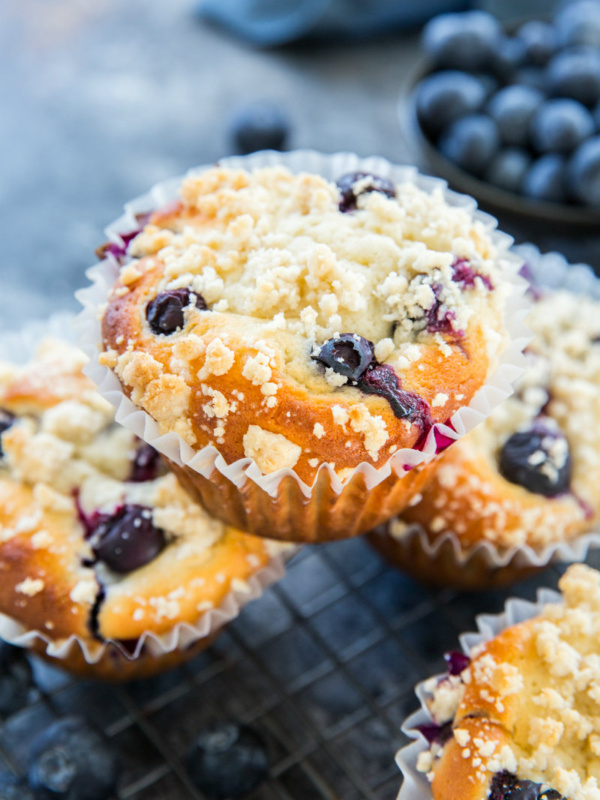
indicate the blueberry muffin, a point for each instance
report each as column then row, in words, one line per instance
column 519, row 718
column 97, row 539
column 528, row 475
column 304, row 325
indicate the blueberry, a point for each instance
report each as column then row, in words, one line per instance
column 349, row 355
column 444, row 97
column 13, row 788
column 354, row 184
column 260, row 126
column 540, row 41
column 146, row 464
column 165, row 313
column 16, row 679
column 72, row 761
column 507, row 169
column 538, row 459
column 471, row 142
column 534, row 77
column 462, row 41
column 512, row 109
column 436, row 734
column 381, row 380
column 578, row 23
column 6, row 421
column 227, row 761
column 508, row 57
column 506, row 786
column 456, row 662
column 545, row 180
column 575, row 73
column 583, row 172
column 128, row 539
column 559, row 126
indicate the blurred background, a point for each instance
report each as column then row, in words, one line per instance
column 100, row 100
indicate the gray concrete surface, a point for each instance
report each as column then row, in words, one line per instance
column 98, row 100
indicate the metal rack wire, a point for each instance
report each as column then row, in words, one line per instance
column 323, row 666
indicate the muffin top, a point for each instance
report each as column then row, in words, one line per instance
column 522, row 717
column 300, row 322
column 529, row 473
column 97, row 539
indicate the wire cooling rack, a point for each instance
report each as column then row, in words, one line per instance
column 323, row 666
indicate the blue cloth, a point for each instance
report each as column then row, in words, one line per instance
column 276, row 22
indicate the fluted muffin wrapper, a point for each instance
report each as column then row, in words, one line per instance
column 442, row 560
column 244, row 474
column 415, row 785
column 19, row 347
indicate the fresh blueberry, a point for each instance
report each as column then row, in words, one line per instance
column 381, row 380
column 575, row 73
column 354, row 184
column 507, row 169
column 508, row 57
column 471, row 142
column 260, row 126
column 6, row 421
column 559, row 126
column 72, row 761
column 456, row 662
column 534, row 77
column 349, row 355
column 512, row 109
column 578, row 23
column 583, row 173
column 545, row 180
column 13, row 788
column 540, row 41
column 538, row 459
column 165, row 313
column 462, row 41
column 16, row 679
column 128, row 539
column 444, row 97
column 146, row 464
column 228, row 761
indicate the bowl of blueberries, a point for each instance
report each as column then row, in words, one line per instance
column 513, row 118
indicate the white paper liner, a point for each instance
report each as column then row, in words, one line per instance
column 497, row 388
column 554, row 271
column 19, row 347
column 415, row 785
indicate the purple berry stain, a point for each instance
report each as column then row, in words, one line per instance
column 465, row 274
column 368, row 182
column 165, row 313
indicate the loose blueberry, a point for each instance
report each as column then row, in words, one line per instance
column 146, row 464
column 128, row 539
column 349, row 355
column 72, row 761
column 512, row 109
column 539, row 460
column 545, row 180
column 578, row 23
column 462, row 41
column 456, row 662
column 508, row 57
column 540, row 41
column 383, row 381
column 583, row 172
column 6, row 421
column 534, row 77
column 354, row 184
column 508, row 168
column 16, row 679
column 471, row 142
column 444, row 97
column 560, row 126
column 13, row 788
column 575, row 73
column 260, row 126
column 165, row 313
column 228, row 761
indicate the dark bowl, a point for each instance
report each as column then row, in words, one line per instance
column 493, row 199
